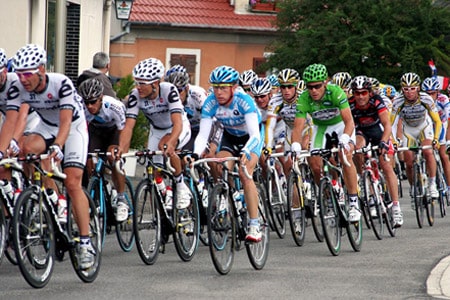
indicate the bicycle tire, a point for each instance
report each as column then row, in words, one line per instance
column 94, row 189
column 9, row 247
column 34, row 237
column 221, row 229
column 186, row 234
column 388, row 214
column 429, row 209
column 275, row 204
column 124, row 230
column 371, row 194
column 442, row 188
column 330, row 216
column 418, row 195
column 90, row 274
column 3, row 234
column 312, row 205
column 297, row 215
column 203, row 215
column 147, row 222
column 258, row 252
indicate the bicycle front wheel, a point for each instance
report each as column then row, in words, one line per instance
column 97, row 193
column 90, row 274
column 3, row 229
column 34, row 238
column 9, row 247
column 258, row 252
column 296, row 209
column 147, row 222
column 419, row 195
column 329, row 215
column 429, row 204
column 124, row 230
column 186, row 234
column 372, row 203
column 221, row 229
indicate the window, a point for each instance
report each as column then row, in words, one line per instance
column 189, row 58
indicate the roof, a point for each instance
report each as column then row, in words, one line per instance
column 197, row 14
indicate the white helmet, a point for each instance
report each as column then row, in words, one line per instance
column 29, row 57
column 3, row 58
column 149, row 69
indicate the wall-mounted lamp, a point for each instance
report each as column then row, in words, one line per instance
column 123, row 9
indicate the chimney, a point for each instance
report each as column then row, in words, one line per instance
column 240, row 6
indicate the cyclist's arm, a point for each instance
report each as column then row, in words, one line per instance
column 299, row 124
column 270, row 128
column 252, row 122
column 202, row 137
column 176, row 129
column 7, row 130
column 125, row 135
column 21, row 121
column 65, row 122
column 347, row 117
column 384, row 119
column 437, row 123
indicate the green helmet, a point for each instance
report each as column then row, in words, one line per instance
column 315, row 72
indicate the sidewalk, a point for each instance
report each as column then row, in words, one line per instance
column 438, row 283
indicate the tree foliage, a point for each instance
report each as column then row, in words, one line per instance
column 378, row 38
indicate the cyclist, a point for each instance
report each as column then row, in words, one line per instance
column 417, row 112
column 376, row 89
column 106, row 119
column 246, row 79
column 432, row 87
column 373, row 126
column 62, row 130
column 192, row 97
column 241, row 137
column 330, row 112
column 275, row 84
column 169, row 127
column 343, row 79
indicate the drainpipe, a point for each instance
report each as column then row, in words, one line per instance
column 106, row 25
column 60, row 36
column 118, row 36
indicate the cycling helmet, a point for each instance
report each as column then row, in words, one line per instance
column 273, row 80
column 179, row 79
column 174, row 68
column 3, row 58
column 361, row 82
column 301, row 85
column 431, row 84
column 389, row 91
column 224, row 74
column 375, row 82
column 410, row 79
column 90, row 89
column 288, row 76
column 261, row 86
column 315, row 72
column 150, row 69
column 247, row 77
column 342, row 79
column 29, row 57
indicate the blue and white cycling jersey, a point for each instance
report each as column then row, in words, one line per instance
column 239, row 118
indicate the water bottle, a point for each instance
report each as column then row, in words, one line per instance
column 53, row 196
column 307, row 188
column 237, row 200
column 169, row 197
column 7, row 188
column 161, row 185
column 62, row 209
column 339, row 191
column 108, row 187
column 16, row 195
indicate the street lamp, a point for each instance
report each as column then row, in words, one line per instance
column 123, row 9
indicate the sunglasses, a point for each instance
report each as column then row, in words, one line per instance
column 90, row 102
column 259, row 97
column 247, row 89
column 409, row 89
column 361, row 93
column 138, row 82
column 26, row 74
column 314, row 86
column 286, row 86
column 432, row 92
column 180, row 90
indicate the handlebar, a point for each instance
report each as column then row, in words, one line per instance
column 217, row 160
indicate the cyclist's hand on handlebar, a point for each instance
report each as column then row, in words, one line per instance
column 56, row 152
column 14, row 148
column 296, row 148
column 435, row 144
column 383, row 147
column 245, row 157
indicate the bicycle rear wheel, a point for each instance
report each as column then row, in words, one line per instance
column 221, row 229
column 147, row 222
column 186, row 234
column 329, row 215
column 86, row 275
column 98, row 194
column 34, row 238
column 419, row 193
column 429, row 204
column 354, row 232
column 386, row 207
column 372, row 202
column 258, row 252
column 297, row 211
column 124, row 230
column 276, row 205
column 3, row 234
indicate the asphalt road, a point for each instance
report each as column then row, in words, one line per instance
column 393, row 268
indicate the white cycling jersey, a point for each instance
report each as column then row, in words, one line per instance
column 193, row 106
column 111, row 113
column 10, row 92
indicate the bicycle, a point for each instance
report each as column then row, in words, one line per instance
column 39, row 236
column 276, row 194
column 376, row 202
column 153, row 222
column 101, row 191
column 301, row 186
column 441, row 184
column 227, row 218
column 421, row 197
column 334, row 212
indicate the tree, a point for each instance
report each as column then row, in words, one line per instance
column 378, row 38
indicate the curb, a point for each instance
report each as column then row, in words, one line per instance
column 438, row 280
